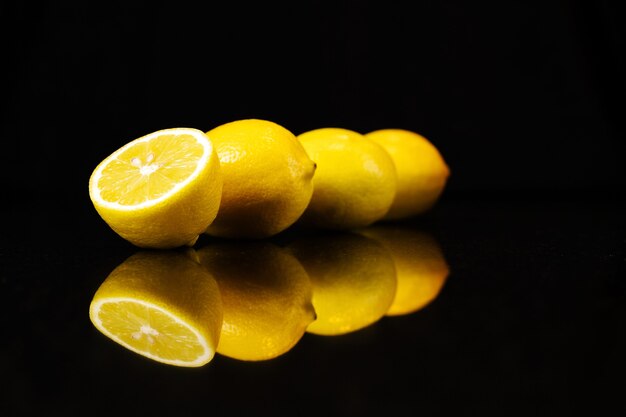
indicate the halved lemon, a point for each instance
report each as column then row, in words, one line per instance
column 161, row 190
column 161, row 305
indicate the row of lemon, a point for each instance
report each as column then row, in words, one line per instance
column 255, row 300
column 254, row 178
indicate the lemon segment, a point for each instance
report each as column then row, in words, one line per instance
column 162, row 306
column 161, row 190
column 267, row 178
column 355, row 181
column 422, row 171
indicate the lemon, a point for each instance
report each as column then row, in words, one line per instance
column 161, row 305
column 266, row 295
column 267, row 179
column 355, row 181
column 353, row 278
column 421, row 267
column 422, row 171
column 161, row 190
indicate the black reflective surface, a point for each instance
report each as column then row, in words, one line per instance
column 531, row 320
column 518, row 95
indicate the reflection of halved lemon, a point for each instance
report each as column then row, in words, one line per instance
column 161, row 305
column 421, row 267
column 353, row 277
column 422, row 171
column 266, row 296
column 161, row 190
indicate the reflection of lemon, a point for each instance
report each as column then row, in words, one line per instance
column 266, row 296
column 267, row 179
column 355, row 181
column 161, row 190
column 161, row 305
column 422, row 171
column 353, row 277
column 421, row 267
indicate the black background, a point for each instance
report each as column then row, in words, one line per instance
column 517, row 95
column 522, row 98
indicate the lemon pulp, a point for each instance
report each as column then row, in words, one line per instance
column 151, row 331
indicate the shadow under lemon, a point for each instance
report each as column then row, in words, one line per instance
column 266, row 298
column 421, row 267
column 353, row 278
column 161, row 305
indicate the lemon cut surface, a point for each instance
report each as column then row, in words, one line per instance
column 150, row 331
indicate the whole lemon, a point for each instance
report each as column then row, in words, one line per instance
column 353, row 279
column 355, row 181
column 267, row 178
column 421, row 267
column 422, row 171
column 266, row 297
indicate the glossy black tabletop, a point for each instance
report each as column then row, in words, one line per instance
column 528, row 320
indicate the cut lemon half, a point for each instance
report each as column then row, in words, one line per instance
column 161, row 305
column 161, row 190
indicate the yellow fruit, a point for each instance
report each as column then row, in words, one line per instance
column 422, row 171
column 420, row 265
column 161, row 190
column 355, row 181
column 267, row 179
column 161, row 305
column 266, row 296
column 353, row 277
